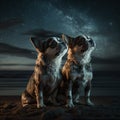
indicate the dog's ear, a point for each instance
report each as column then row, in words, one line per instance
column 67, row 39
column 37, row 44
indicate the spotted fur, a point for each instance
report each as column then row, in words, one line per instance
column 77, row 71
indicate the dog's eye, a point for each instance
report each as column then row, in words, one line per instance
column 80, row 41
column 84, row 47
column 53, row 44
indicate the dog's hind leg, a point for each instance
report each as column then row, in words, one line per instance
column 26, row 99
column 87, row 93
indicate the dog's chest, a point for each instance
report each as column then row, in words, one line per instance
column 51, row 79
column 82, row 73
column 87, row 71
column 76, row 72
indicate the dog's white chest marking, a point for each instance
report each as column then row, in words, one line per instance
column 85, row 57
column 87, row 75
column 82, row 73
column 53, row 72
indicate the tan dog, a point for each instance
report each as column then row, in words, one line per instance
column 46, row 76
column 77, row 70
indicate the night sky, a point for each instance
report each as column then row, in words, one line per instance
column 97, row 18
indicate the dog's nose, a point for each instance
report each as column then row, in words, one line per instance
column 62, row 43
column 91, row 42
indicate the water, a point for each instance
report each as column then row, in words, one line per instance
column 103, row 83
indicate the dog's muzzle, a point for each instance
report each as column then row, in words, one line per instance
column 92, row 43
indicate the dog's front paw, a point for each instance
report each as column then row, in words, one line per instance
column 88, row 102
column 76, row 100
column 41, row 105
column 24, row 105
column 69, row 105
column 38, row 105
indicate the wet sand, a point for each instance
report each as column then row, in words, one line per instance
column 105, row 108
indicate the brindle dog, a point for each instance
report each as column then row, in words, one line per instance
column 46, row 76
column 77, row 71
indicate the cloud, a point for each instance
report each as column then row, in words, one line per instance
column 10, row 23
column 72, row 18
column 15, row 62
column 42, row 33
column 20, row 64
column 16, row 51
column 21, row 52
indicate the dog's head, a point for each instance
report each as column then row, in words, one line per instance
column 90, row 41
column 79, row 44
column 51, row 48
